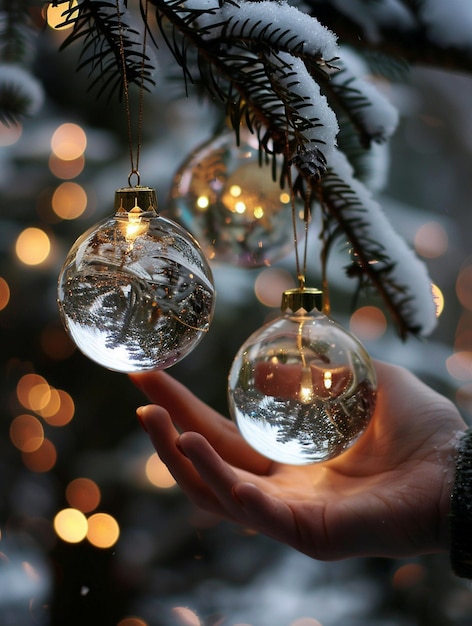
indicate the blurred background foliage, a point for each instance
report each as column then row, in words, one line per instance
column 92, row 528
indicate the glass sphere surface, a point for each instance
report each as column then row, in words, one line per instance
column 136, row 294
column 301, row 389
column 231, row 203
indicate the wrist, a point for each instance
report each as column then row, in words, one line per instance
column 460, row 511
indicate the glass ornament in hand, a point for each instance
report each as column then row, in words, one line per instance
column 232, row 204
column 301, row 389
column 136, row 292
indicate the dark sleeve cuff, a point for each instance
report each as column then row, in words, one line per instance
column 460, row 516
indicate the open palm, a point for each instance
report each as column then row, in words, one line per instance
column 388, row 495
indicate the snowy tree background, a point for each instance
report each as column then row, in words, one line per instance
column 173, row 565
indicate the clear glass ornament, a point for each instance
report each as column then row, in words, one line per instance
column 232, row 204
column 136, row 292
column 301, row 389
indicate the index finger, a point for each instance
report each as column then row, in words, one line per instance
column 190, row 413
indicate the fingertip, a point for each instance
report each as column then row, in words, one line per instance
column 148, row 413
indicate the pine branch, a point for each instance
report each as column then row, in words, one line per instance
column 413, row 43
column 102, row 31
column 16, row 31
column 380, row 257
column 251, row 65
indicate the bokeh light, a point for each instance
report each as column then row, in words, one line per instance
column 368, row 323
column 69, row 142
column 158, row 474
column 4, row 294
column 438, row 298
column 83, row 494
column 464, row 287
column 25, row 385
column 69, row 201
column 26, row 433
column 65, row 411
column 9, row 134
column 103, row 530
column 459, row 365
column 408, row 575
column 132, row 621
column 32, row 246
column 185, row 616
column 41, row 460
column 431, row 240
column 66, row 169
column 71, row 525
column 270, row 284
column 55, row 17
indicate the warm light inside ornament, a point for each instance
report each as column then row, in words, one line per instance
column 231, row 202
column 302, row 389
column 136, row 292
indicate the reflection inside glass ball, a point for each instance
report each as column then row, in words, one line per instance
column 232, row 203
column 302, row 389
column 136, row 292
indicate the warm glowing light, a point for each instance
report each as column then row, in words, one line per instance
column 71, row 525
column 306, row 393
column 185, row 616
column 135, row 227
column 235, row 191
column 55, row 15
column 26, row 433
column 4, row 293
column 431, row 240
column 438, row 298
column 132, row 621
column 284, row 197
column 103, row 530
column 83, row 494
column 69, row 142
column 459, row 365
column 69, row 201
column 158, row 474
column 368, row 323
column 25, row 385
column 464, row 287
column 10, row 134
column 64, row 413
column 52, row 404
column 270, row 283
column 240, row 207
column 32, row 246
column 39, row 396
column 41, row 460
column 66, row 169
column 408, row 575
column 258, row 212
column 327, row 380
column 203, row 202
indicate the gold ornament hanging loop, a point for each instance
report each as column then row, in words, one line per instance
column 134, row 166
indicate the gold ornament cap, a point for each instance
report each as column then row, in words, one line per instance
column 301, row 299
column 129, row 198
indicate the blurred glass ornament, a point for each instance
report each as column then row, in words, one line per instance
column 301, row 389
column 231, row 202
column 136, row 292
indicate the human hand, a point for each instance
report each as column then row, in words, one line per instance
column 388, row 495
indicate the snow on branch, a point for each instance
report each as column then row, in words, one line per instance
column 379, row 253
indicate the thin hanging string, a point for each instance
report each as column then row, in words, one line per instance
column 134, row 166
column 300, row 269
column 324, row 257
